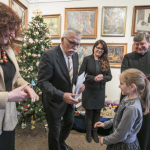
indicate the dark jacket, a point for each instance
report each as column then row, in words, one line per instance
column 89, row 67
column 54, row 80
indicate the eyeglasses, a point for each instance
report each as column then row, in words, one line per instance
column 141, row 44
column 72, row 44
column 100, row 49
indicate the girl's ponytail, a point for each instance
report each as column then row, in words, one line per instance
column 145, row 97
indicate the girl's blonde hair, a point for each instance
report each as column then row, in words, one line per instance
column 134, row 76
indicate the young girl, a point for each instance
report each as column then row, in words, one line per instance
column 128, row 119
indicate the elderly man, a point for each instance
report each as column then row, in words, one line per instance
column 140, row 59
column 58, row 70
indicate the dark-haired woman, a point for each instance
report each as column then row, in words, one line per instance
column 13, row 88
column 98, row 73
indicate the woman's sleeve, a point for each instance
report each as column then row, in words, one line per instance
column 107, row 76
column 83, row 68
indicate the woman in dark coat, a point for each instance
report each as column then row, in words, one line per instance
column 98, row 73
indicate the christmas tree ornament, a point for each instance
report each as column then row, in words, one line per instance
column 31, row 41
column 24, row 56
column 36, row 40
column 33, row 84
column 24, row 45
column 30, row 68
column 37, row 64
column 42, row 50
column 37, row 33
column 39, row 55
column 34, row 55
column 32, row 127
column 29, row 54
column 40, row 93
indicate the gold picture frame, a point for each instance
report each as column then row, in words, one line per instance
column 22, row 12
column 54, row 24
column 113, row 21
column 140, row 19
column 116, row 52
column 84, row 19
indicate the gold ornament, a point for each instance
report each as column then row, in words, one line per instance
column 37, row 64
column 40, row 93
column 34, row 55
column 37, row 12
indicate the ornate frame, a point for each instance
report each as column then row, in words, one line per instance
column 82, row 23
column 59, row 24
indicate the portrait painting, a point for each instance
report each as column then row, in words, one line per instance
column 83, row 19
column 141, row 19
column 22, row 12
column 116, row 52
column 53, row 24
column 84, row 50
column 113, row 21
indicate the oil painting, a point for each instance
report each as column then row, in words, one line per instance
column 22, row 12
column 141, row 19
column 116, row 52
column 113, row 21
column 84, row 50
column 53, row 24
column 83, row 19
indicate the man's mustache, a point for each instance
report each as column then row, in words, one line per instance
column 72, row 50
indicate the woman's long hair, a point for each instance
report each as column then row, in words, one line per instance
column 103, row 59
column 9, row 20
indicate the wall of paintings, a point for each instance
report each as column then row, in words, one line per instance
column 107, row 20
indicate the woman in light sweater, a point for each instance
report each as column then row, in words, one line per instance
column 13, row 88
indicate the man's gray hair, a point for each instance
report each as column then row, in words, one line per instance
column 140, row 36
column 71, row 30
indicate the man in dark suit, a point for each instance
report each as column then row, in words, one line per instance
column 140, row 59
column 58, row 70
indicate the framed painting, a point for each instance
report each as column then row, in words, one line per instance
column 53, row 23
column 16, row 47
column 113, row 21
column 141, row 19
column 84, row 19
column 116, row 52
column 84, row 50
column 22, row 12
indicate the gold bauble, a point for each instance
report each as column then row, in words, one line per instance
column 40, row 93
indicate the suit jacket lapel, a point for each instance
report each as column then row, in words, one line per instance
column 93, row 62
column 62, row 63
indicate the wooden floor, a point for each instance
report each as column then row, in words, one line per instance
column 37, row 139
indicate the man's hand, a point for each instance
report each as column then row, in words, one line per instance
column 101, row 141
column 67, row 97
column 99, row 78
column 82, row 88
column 99, row 124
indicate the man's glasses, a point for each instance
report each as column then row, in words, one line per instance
column 72, row 44
column 100, row 49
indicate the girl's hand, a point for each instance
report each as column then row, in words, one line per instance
column 101, row 141
column 99, row 124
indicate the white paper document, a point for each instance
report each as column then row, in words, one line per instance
column 80, row 80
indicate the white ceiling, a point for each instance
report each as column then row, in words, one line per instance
column 46, row 1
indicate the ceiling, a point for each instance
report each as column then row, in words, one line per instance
column 46, row 1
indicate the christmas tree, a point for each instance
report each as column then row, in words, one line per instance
column 36, row 42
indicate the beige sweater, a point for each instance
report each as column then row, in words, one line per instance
column 8, row 113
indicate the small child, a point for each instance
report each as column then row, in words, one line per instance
column 128, row 119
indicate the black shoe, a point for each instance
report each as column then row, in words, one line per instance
column 66, row 147
column 88, row 136
column 95, row 136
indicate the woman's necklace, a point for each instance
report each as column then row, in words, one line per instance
column 3, row 57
